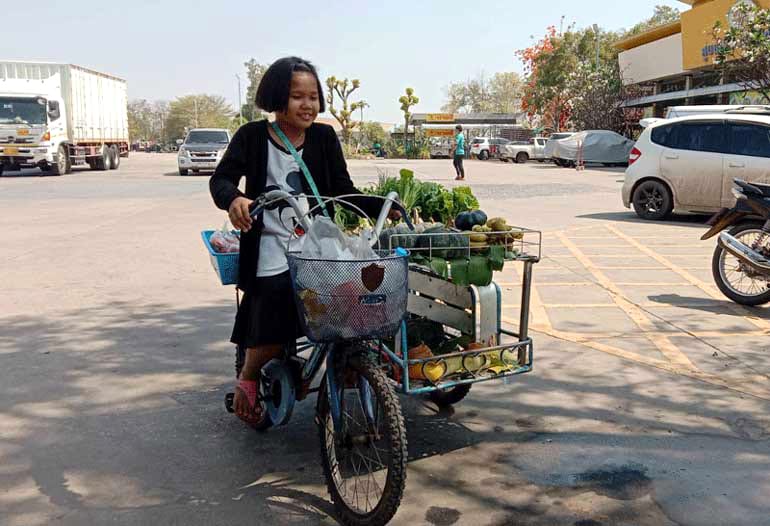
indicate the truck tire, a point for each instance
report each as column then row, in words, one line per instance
column 62, row 164
column 183, row 171
column 114, row 157
column 102, row 162
column 522, row 157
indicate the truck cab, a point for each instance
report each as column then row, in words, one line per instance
column 31, row 130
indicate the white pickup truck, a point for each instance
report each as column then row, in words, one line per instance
column 521, row 153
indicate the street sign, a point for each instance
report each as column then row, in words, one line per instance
column 440, row 117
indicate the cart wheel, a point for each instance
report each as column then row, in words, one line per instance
column 364, row 461
column 447, row 397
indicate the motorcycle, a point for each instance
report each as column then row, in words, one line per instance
column 741, row 261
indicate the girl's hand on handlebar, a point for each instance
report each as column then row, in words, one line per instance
column 394, row 215
column 239, row 213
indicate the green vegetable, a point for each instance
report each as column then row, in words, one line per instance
column 450, row 245
column 463, row 200
column 440, row 267
column 464, row 221
column 478, row 218
column 479, row 271
column 497, row 257
column 406, row 241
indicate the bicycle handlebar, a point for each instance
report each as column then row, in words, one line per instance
column 391, row 201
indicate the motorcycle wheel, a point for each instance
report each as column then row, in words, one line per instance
column 733, row 278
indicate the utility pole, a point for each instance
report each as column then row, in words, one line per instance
column 195, row 102
column 596, row 35
column 240, row 106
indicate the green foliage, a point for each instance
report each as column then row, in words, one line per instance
column 372, row 133
column 254, row 73
column 743, row 49
column 662, row 15
column 147, row 120
column 344, row 115
column 463, row 200
column 197, row 111
column 500, row 94
column 407, row 101
column 433, row 201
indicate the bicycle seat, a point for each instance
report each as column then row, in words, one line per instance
column 758, row 190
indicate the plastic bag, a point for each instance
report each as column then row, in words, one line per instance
column 225, row 241
column 325, row 240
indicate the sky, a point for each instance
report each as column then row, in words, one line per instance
column 165, row 49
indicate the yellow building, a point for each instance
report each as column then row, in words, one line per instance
column 675, row 62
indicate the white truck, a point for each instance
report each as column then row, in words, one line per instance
column 521, row 153
column 54, row 116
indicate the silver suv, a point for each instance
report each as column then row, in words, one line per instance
column 202, row 149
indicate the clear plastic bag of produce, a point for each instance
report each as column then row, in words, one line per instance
column 225, row 241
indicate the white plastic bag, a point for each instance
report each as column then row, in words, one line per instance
column 325, row 240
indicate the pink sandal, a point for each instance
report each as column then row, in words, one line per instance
column 256, row 411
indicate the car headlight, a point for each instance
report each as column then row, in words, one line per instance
column 182, row 152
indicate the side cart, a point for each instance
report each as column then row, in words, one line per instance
column 468, row 316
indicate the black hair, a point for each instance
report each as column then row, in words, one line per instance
column 459, row 127
column 273, row 91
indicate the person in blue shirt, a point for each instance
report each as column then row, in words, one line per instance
column 459, row 153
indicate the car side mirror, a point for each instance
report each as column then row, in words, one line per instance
column 53, row 110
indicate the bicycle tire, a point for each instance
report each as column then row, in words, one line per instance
column 392, row 424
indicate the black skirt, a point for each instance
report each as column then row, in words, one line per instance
column 269, row 315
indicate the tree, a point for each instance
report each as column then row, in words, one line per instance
column 147, row 120
column 343, row 89
column 254, row 72
column 662, row 15
column 597, row 97
column 407, row 101
column 743, row 49
column 197, row 111
column 547, row 65
column 500, row 94
column 373, row 133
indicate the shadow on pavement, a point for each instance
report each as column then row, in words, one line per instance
column 114, row 413
column 695, row 221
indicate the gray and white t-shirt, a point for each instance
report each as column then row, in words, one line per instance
column 280, row 221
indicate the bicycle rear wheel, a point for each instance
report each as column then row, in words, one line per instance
column 364, row 462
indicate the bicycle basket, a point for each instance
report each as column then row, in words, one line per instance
column 350, row 300
column 225, row 264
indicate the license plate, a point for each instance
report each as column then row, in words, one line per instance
column 23, row 132
column 10, row 151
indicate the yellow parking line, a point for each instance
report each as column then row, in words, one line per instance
column 664, row 345
column 705, row 287
column 740, row 386
column 649, row 284
column 539, row 316
column 551, row 284
column 579, row 305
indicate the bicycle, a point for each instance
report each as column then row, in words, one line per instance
column 359, row 332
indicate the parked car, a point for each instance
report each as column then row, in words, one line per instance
column 593, row 146
column 487, row 147
column 521, row 153
column 202, row 149
column 688, row 164
column 551, row 144
column 440, row 147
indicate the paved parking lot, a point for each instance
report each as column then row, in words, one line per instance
column 648, row 404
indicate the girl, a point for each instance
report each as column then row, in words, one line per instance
column 267, row 318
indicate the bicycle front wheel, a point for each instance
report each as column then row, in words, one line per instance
column 364, row 461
